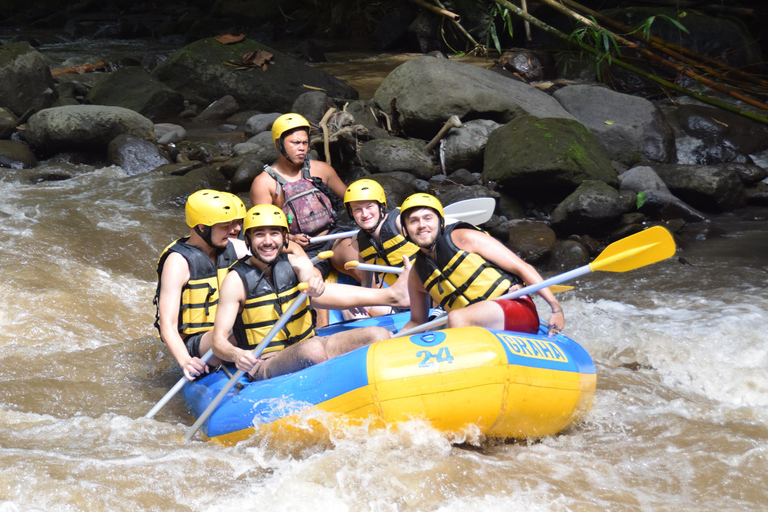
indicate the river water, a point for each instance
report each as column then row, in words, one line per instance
column 680, row 419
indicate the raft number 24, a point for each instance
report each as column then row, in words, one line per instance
column 443, row 355
column 430, row 340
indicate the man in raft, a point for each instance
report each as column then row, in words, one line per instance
column 257, row 290
column 189, row 275
column 380, row 240
column 463, row 269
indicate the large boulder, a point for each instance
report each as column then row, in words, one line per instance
column 382, row 155
column 708, row 188
column 427, row 91
column 589, row 209
column 200, row 72
column 136, row 89
column 88, row 127
column 532, row 240
column 26, row 80
column 630, row 128
column 8, row 123
column 16, row 155
column 548, row 158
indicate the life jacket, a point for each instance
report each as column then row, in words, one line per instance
column 392, row 248
column 264, row 304
column 459, row 278
column 200, row 295
column 307, row 206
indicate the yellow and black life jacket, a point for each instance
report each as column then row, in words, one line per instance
column 265, row 301
column 459, row 278
column 200, row 295
column 392, row 248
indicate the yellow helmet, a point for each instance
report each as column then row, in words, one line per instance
column 209, row 207
column 365, row 190
column 240, row 206
column 285, row 123
column 264, row 215
column 422, row 200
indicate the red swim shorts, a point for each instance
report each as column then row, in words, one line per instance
column 519, row 314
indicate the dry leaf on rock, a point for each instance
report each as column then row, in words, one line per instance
column 230, row 38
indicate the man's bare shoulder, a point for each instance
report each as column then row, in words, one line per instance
column 321, row 169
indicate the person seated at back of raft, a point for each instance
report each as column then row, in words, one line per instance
column 189, row 275
column 380, row 240
column 307, row 191
column 259, row 288
column 463, row 269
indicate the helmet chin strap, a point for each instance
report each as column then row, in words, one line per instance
column 205, row 234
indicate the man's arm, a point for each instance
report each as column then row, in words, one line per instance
column 420, row 301
column 231, row 302
column 496, row 252
column 175, row 275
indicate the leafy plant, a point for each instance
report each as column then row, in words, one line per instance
column 645, row 26
column 602, row 40
column 640, row 199
column 497, row 16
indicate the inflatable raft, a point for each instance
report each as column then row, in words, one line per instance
column 506, row 384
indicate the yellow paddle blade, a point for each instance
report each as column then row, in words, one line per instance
column 643, row 248
column 325, row 255
column 560, row 288
column 351, row 264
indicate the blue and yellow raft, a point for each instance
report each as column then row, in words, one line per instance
column 506, row 384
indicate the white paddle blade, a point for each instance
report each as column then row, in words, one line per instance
column 474, row 211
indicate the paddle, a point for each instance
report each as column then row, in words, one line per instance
column 635, row 251
column 183, row 380
column 475, row 211
column 397, row 270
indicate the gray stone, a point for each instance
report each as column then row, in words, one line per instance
column 136, row 89
column 26, row 80
column 312, row 105
column 16, row 155
column 134, row 155
column 463, row 177
column 630, row 128
column 531, row 240
column 381, row 155
column 168, row 133
column 260, row 123
column 218, row 110
column 89, row 127
column 463, row 147
column 589, row 209
column 8, row 123
column 533, row 157
column 361, row 111
column 708, row 188
column 429, row 90
column 567, row 255
column 654, row 198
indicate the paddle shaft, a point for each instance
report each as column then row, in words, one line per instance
column 256, row 353
column 183, row 380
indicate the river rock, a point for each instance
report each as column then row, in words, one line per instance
column 134, row 88
column 361, row 111
column 545, row 158
column 8, row 123
column 630, row 128
column 16, row 155
column 26, row 80
column 428, row 91
column 312, row 105
column 381, row 155
column 758, row 195
column 168, row 133
column 463, row 177
column 450, row 194
column 218, row 110
column 708, row 188
column 592, row 207
column 724, row 134
column 241, row 171
column 199, row 72
column 567, row 255
column 135, row 155
column 656, row 200
column 749, row 173
column 463, row 147
column 260, row 123
column 89, row 127
column 531, row 240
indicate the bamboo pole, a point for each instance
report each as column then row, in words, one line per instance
column 664, row 83
column 656, row 58
column 437, row 10
column 459, row 27
column 678, row 52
